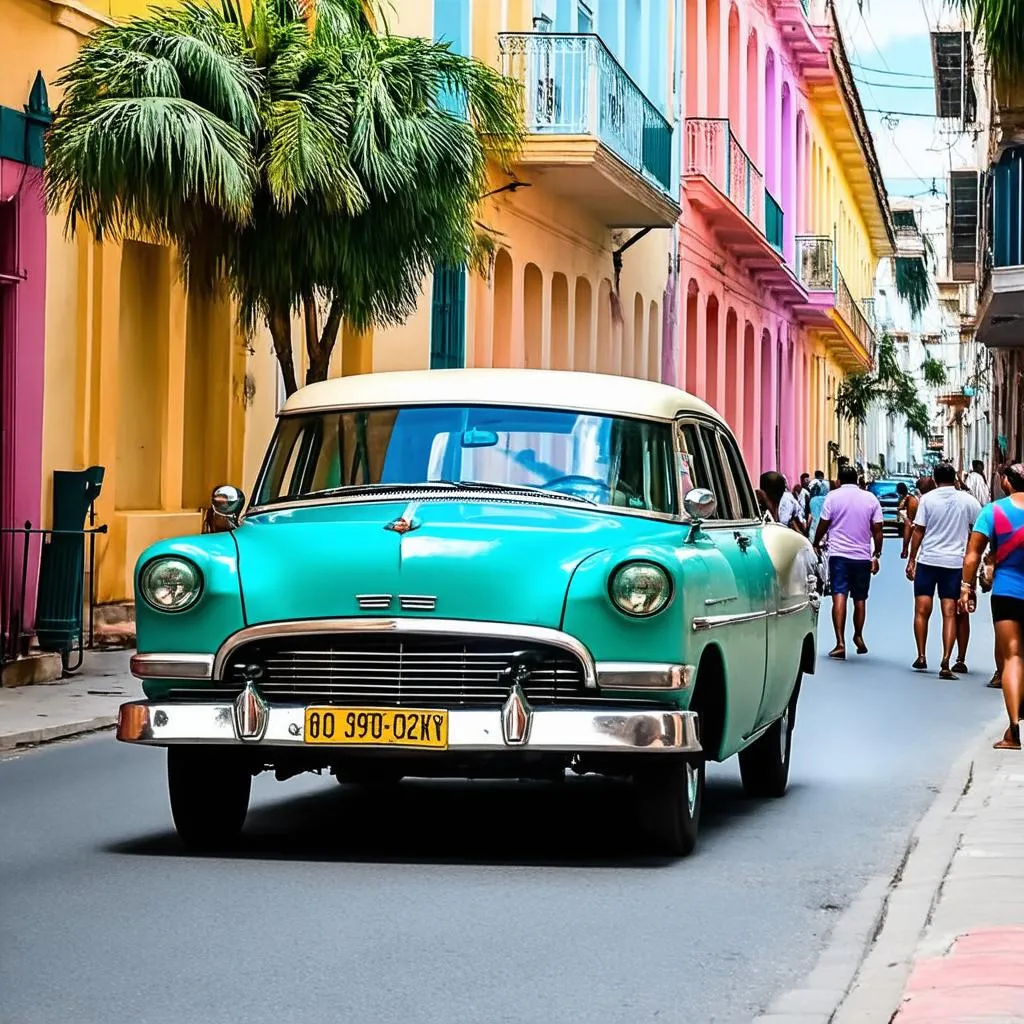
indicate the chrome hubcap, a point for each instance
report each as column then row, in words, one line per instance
column 692, row 785
column 784, row 735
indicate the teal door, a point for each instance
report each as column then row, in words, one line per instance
column 448, row 319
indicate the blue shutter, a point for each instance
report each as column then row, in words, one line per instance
column 448, row 318
column 451, row 25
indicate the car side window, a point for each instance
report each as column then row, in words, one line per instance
column 717, row 470
column 746, row 507
column 706, row 466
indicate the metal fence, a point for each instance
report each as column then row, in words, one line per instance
column 72, row 579
column 573, row 85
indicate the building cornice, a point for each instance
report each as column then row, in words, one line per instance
column 855, row 111
column 76, row 17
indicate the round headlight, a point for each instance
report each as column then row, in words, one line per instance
column 641, row 588
column 171, row 584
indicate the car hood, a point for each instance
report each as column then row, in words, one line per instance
column 480, row 560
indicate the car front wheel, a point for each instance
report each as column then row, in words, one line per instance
column 764, row 765
column 209, row 792
column 671, row 796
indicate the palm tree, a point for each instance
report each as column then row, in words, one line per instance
column 303, row 157
column 1000, row 25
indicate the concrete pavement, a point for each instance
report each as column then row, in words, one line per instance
column 83, row 703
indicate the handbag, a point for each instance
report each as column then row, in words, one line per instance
column 988, row 572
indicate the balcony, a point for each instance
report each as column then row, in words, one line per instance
column 794, row 19
column 592, row 134
column 1001, row 293
column 723, row 183
column 830, row 305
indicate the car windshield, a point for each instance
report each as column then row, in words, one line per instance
column 572, row 456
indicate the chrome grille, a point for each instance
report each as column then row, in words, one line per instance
column 410, row 669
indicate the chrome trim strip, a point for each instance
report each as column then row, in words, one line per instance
column 794, row 608
column 644, row 675
column 706, row 622
column 172, row 666
column 374, row 602
column 565, row 730
column 417, row 602
column 444, row 627
column 712, row 601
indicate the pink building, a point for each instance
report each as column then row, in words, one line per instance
column 782, row 205
column 22, row 331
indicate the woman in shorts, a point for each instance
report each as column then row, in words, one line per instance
column 1001, row 524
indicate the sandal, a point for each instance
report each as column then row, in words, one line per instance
column 858, row 642
column 1010, row 740
column 960, row 668
column 838, row 653
column 920, row 665
column 946, row 674
column 996, row 682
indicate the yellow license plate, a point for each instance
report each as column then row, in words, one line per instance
column 377, row 727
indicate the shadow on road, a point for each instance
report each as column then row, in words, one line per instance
column 585, row 822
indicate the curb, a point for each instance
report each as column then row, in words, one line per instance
column 52, row 733
column 861, row 973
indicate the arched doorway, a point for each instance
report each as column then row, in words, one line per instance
column 501, row 349
column 711, row 359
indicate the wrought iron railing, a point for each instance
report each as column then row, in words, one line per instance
column 851, row 312
column 774, row 222
column 868, row 305
column 713, row 150
column 815, row 262
column 573, row 85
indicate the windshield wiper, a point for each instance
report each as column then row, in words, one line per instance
column 487, row 485
column 329, row 492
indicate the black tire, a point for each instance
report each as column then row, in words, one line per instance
column 671, row 797
column 209, row 791
column 764, row 765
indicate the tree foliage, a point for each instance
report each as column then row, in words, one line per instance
column 913, row 273
column 934, row 372
column 297, row 155
column 889, row 386
column 1000, row 26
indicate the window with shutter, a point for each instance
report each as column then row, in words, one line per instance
column 448, row 318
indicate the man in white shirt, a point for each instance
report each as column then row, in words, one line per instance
column 976, row 483
column 942, row 526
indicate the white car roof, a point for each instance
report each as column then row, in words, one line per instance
column 547, row 389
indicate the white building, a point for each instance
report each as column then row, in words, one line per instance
column 959, row 407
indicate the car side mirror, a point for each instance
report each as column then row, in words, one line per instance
column 228, row 502
column 699, row 504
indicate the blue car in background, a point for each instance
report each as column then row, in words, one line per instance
column 888, row 497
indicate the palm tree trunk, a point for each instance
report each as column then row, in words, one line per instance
column 279, row 323
column 320, row 347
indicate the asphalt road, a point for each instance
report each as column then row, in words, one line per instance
column 470, row 903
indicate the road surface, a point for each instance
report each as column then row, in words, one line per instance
column 473, row 903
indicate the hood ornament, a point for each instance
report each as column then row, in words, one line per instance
column 402, row 525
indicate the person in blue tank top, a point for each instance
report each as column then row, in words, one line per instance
column 1001, row 524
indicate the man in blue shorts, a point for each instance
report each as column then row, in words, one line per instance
column 942, row 526
column 852, row 519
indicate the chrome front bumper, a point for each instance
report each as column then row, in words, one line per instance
column 253, row 724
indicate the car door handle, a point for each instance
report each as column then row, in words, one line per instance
column 743, row 540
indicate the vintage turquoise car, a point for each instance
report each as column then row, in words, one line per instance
column 479, row 573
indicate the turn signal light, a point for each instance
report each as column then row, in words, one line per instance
column 132, row 722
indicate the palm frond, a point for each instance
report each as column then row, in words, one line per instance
column 913, row 283
column 1000, row 26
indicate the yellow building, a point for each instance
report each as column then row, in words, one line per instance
column 162, row 390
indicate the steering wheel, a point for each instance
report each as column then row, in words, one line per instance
column 559, row 484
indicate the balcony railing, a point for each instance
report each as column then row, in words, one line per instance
column 572, row 85
column 815, row 260
column 853, row 315
column 774, row 222
column 868, row 305
column 713, row 150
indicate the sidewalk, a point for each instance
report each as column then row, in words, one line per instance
column 942, row 942
column 951, row 946
column 82, row 703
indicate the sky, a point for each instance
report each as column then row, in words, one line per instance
column 889, row 44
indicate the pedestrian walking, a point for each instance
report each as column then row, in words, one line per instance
column 976, row 483
column 804, row 495
column 820, row 482
column 851, row 518
column 1001, row 524
column 783, row 507
column 923, row 486
column 943, row 523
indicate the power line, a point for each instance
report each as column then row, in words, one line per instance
column 885, row 71
column 899, row 113
column 894, row 85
